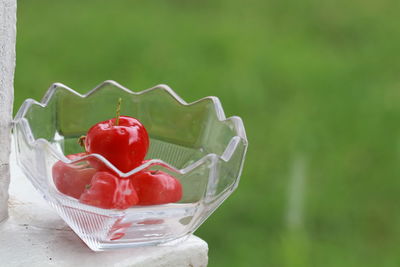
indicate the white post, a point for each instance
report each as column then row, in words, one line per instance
column 7, row 64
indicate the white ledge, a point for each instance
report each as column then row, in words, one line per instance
column 34, row 235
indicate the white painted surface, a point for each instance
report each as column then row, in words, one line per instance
column 7, row 64
column 34, row 235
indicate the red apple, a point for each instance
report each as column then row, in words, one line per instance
column 123, row 142
column 156, row 187
column 71, row 179
column 108, row 191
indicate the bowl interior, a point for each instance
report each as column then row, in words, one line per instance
column 179, row 134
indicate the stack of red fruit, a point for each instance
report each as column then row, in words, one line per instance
column 124, row 142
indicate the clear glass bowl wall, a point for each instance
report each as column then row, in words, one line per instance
column 193, row 142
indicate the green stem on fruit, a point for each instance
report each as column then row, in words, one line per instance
column 118, row 111
column 81, row 142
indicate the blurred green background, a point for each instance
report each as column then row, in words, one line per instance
column 316, row 82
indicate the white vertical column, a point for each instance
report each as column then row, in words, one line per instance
column 7, row 64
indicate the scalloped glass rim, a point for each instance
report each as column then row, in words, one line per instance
column 225, row 156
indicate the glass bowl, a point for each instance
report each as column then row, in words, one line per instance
column 194, row 142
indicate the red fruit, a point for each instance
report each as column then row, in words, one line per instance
column 125, row 145
column 71, row 179
column 109, row 192
column 156, row 187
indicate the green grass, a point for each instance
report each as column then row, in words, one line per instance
column 317, row 80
